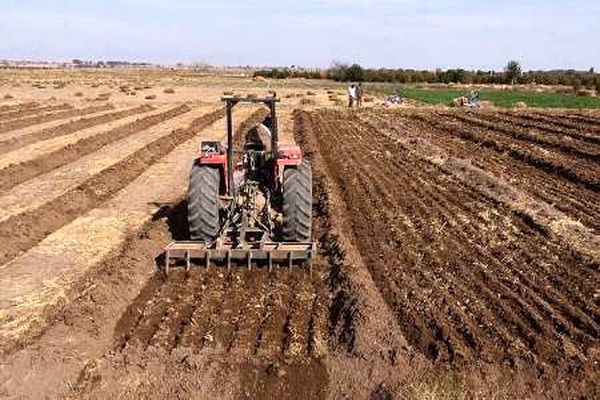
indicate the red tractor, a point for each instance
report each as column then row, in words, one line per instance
column 251, row 204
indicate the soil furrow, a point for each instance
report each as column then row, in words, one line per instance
column 550, row 142
column 157, row 314
column 5, row 117
column 555, row 125
column 15, row 174
column 39, row 119
column 532, row 315
column 18, row 107
column 273, row 335
column 394, row 213
column 550, row 166
column 242, row 337
column 583, row 130
column 70, row 127
column 541, row 267
column 36, row 192
column 584, row 118
column 191, row 297
column 27, row 229
column 565, row 195
column 473, row 233
column 194, row 334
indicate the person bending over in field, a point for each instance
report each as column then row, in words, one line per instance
column 351, row 95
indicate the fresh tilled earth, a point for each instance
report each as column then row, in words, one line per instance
column 458, row 256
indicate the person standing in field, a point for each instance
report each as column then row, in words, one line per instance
column 359, row 95
column 351, row 95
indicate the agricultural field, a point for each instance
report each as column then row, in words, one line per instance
column 505, row 98
column 459, row 250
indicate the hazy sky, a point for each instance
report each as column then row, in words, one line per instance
column 378, row 33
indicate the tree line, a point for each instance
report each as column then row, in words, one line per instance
column 512, row 74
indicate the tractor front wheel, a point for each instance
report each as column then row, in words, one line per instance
column 297, row 203
column 203, row 203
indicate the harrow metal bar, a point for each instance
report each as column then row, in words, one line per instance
column 270, row 251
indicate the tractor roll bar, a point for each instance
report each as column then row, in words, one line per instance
column 232, row 102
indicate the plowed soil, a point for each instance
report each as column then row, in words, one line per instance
column 25, row 230
column 18, row 173
column 69, row 127
column 459, row 257
column 17, row 107
column 469, row 279
column 31, row 111
column 20, row 123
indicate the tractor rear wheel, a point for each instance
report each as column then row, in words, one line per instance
column 297, row 203
column 203, row 203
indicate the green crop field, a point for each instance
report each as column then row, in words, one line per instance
column 500, row 98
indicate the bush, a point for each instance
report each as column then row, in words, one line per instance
column 78, row 94
column 169, row 91
column 355, row 73
column 150, row 97
column 274, row 73
column 8, row 97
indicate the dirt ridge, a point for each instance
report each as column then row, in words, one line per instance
column 71, row 127
column 562, row 167
column 17, row 173
column 438, row 251
column 18, row 107
column 29, row 111
column 569, row 197
column 25, row 230
column 38, row 119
